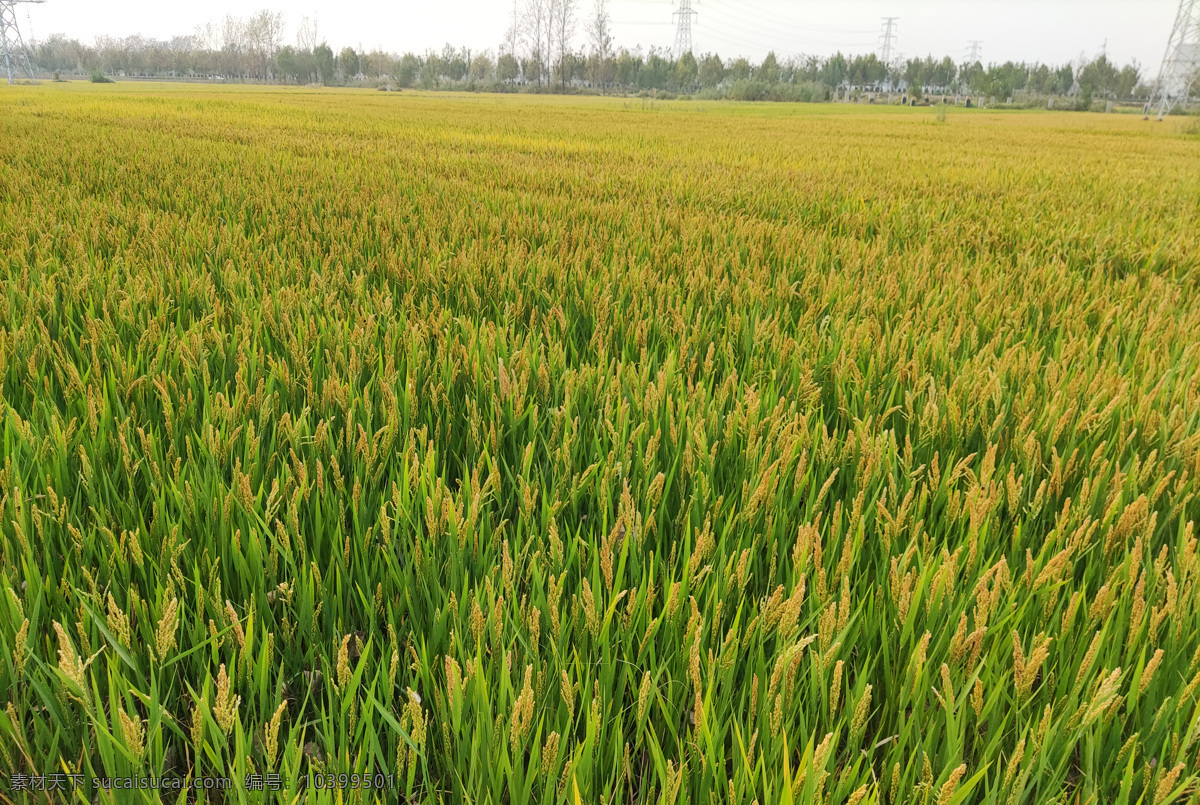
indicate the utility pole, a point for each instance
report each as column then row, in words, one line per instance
column 16, row 58
column 974, row 50
column 683, row 28
column 1180, row 63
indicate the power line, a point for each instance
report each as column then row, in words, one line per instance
column 726, row 27
column 776, row 23
column 974, row 49
column 752, row 23
column 739, row 40
column 723, row 34
column 743, row 25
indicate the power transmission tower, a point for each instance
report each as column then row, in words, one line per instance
column 886, row 49
column 1180, row 64
column 16, row 58
column 974, row 49
column 683, row 30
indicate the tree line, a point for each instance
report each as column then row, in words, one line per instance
column 551, row 47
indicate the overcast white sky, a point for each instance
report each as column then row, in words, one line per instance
column 1045, row 30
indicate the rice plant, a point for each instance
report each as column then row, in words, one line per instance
column 537, row 450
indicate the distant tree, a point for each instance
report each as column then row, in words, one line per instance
column 1127, row 81
column 599, row 31
column 306, row 63
column 893, row 73
column 512, row 37
column 945, row 74
column 508, row 69
column 323, row 55
column 790, row 70
column 835, row 71
column 1064, row 79
column 807, row 69
column 264, row 34
column 914, row 75
column 431, row 71
column 972, row 77
column 739, row 70
column 307, row 35
column 287, row 66
column 481, row 68
column 68, row 55
column 405, row 70
column 233, row 56
column 627, row 67
column 1041, row 80
column 376, row 64
column 711, row 70
column 1099, row 77
column 655, row 72
column 454, row 63
column 1004, row 80
column 348, row 63
column 768, row 71
column 535, row 34
column 574, row 66
column 868, row 71
column 562, row 29
column 687, row 71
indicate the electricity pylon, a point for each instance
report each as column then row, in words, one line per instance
column 683, row 29
column 16, row 59
column 887, row 48
column 1181, row 63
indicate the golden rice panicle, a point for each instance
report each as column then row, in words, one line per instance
column 1163, row 790
column 168, row 623
column 522, row 717
column 131, row 728
column 71, row 666
column 343, row 662
column 272, row 735
column 643, row 696
column 1086, row 665
column 197, row 732
column 550, row 754
column 948, row 789
column 225, row 707
column 1148, row 671
column 835, row 686
column 21, row 648
column 118, row 622
column 859, row 721
column 568, row 695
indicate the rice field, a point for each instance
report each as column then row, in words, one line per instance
column 396, row 447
